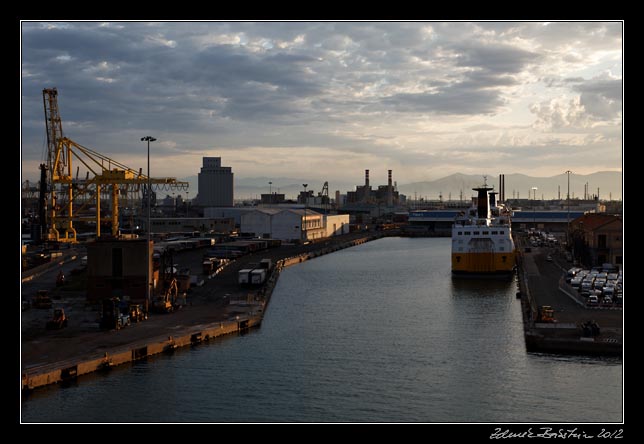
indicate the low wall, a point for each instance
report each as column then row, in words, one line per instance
column 61, row 371
column 67, row 370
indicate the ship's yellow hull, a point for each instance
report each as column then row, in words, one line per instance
column 483, row 263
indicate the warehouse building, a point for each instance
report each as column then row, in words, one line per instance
column 292, row 224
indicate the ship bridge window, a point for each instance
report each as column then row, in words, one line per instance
column 501, row 232
column 467, row 233
column 495, row 232
column 476, row 232
column 501, row 249
column 460, row 233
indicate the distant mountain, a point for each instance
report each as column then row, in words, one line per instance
column 516, row 185
column 519, row 185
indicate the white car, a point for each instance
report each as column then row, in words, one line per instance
column 592, row 301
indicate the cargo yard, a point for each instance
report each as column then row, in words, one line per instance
column 216, row 304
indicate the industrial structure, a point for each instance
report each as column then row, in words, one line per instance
column 68, row 197
column 117, row 268
column 293, row 224
column 384, row 195
column 192, row 224
column 598, row 239
column 215, row 184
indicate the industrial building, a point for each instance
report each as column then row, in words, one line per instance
column 191, row 224
column 117, row 268
column 383, row 195
column 293, row 224
column 233, row 212
column 439, row 222
column 598, row 239
column 215, row 184
column 273, row 198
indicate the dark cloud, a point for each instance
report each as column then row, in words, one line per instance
column 494, row 59
column 342, row 86
column 455, row 99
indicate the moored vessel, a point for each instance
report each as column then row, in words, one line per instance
column 482, row 242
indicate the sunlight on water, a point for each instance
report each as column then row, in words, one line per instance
column 375, row 333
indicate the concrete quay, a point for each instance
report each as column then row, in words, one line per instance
column 542, row 282
column 216, row 308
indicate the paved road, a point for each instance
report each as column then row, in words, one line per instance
column 543, row 281
column 206, row 304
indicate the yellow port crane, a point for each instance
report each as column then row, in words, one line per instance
column 75, row 195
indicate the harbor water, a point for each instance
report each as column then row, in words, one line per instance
column 380, row 332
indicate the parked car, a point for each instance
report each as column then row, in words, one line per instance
column 607, row 301
column 592, row 301
column 608, row 291
column 549, row 258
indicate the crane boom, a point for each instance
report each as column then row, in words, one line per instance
column 53, row 124
column 101, row 172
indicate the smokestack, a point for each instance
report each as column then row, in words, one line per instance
column 390, row 191
column 501, row 187
column 483, row 202
column 492, row 199
column 366, row 178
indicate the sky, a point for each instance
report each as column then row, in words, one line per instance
column 328, row 100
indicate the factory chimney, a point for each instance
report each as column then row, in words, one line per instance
column 366, row 194
column 501, row 187
column 390, row 191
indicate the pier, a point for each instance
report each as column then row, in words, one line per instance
column 62, row 357
column 541, row 283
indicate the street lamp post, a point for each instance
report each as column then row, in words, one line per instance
column 568, row 173
column 147, row 268
column 305, row 204
column 534, row 203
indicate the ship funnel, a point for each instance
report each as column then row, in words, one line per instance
column 483, row 205
column 492, row 199
column 366, row 178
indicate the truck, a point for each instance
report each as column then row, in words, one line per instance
column 58, row 320
column 208, row 267
column 258, row 276
column 267, row 264
column 111, row 316
column 255, row 273
column 545, row 313
column 244, row 275
column 137, row 313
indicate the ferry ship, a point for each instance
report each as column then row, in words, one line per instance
column 482, row 242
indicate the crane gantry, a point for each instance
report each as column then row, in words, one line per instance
column 66, row 197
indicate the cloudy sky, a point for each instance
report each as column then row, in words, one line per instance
column 327, row 100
